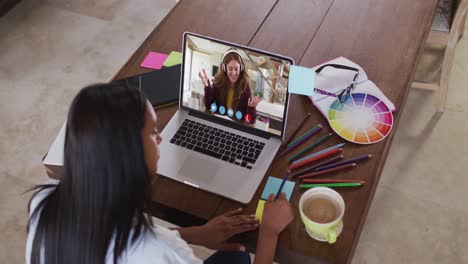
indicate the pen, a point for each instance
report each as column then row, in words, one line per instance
column 286, row 174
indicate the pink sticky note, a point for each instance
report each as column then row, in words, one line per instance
column 154, row 60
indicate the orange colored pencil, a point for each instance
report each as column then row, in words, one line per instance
column 315, row 158
column 351, row 165
column 330, row 181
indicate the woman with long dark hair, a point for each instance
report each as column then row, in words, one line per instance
column 96, row 212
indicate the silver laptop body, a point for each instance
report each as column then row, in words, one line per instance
column 210, row 170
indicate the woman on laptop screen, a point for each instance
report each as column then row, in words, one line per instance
column 230, row 92
column 96, row 213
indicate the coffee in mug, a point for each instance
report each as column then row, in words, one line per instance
column 322, row 210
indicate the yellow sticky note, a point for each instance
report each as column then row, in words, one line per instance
column 259, row 211
column 174, row 58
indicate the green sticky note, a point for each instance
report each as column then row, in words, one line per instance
column 259, row 211
column 173, row 59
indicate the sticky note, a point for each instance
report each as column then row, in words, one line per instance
column 173, row 59
column 154, row 60
column 301, row 80
column 273, row 185
column 259, row 211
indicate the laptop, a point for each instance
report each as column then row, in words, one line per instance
column 224, row 141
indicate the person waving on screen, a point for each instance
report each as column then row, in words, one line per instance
column 231, row 88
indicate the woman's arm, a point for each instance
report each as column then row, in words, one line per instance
column 266, row 247
column 215, row 233
column 276, row 217
column 210, row 96
column 210, row 91
column 244, row 105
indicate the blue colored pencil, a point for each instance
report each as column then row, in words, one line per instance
column 344, row 162
column 286, row 174
column 318, row 153
column 304, row 138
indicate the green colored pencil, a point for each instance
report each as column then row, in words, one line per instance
column 305, row 134
column 313, row 145
column 341, row 184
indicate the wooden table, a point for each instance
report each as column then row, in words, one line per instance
column 385, row 37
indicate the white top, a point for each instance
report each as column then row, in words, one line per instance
column 164, row 246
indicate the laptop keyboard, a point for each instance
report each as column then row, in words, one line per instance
column 218, row 143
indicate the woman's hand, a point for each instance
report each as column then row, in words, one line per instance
column 277, row 215
column 253, row 101
column 204, row 77
column 215, row 233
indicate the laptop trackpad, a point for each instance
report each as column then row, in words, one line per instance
column 199, row 170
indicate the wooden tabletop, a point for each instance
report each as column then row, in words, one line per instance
column 385, row 37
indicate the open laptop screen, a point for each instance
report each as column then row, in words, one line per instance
column 236, row 83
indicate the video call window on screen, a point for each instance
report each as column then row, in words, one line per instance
column 240, row 85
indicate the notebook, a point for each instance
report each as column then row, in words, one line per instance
column 334, row 80
column 161, row 87
column 363, row 117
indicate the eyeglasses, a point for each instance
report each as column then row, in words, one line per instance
column 344, row 94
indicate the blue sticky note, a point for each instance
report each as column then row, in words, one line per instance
column 301, row 80
column 273, row 185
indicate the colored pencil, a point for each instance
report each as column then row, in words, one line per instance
column 286, row 174
column 302, row 136
column 330, row 181
column 323, row 163
column 309, row 134
column 318, row 157
column 313, row 145
column 319, row 152
column 297, row 130
column 341, row 184
column 347, row 166
column 363, row 157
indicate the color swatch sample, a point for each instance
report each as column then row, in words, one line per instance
column 272, row 186
column 154, row 60
column 362, row 118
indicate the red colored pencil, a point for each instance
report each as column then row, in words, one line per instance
column 351, row 165
column 315, row 158
column 330, row 181
column 320, row 164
